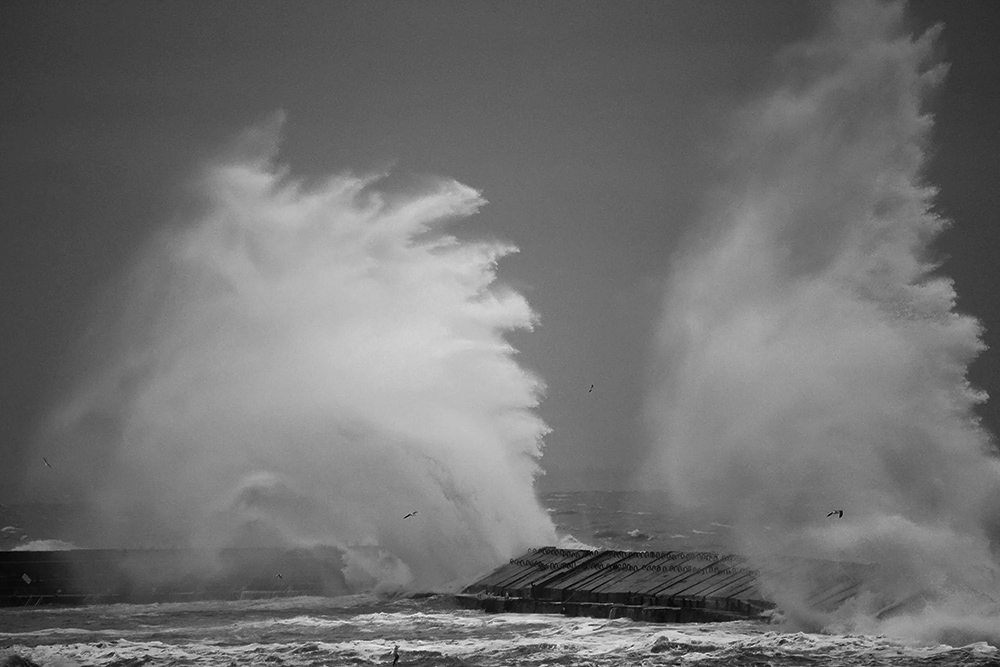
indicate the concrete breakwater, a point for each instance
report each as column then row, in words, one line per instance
column 658, row 586
column 90, row 576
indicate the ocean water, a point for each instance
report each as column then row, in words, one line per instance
column 634, row 520
column 430, row 629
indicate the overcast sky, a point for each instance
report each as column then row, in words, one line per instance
column 593, row 129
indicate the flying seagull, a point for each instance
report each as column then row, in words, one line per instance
column 413, row 513
column 839, row 513
column 591, row 389
column 46, row 462
column 279, row 576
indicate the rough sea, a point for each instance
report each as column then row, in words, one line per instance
column 430, row 629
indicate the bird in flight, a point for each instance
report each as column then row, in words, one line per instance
column 839, row 513
column 413, row 513
column 46, row 462
column 591, row 389
column 279, row 576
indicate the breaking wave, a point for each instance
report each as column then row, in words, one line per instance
column 811, row 357
column 296, row 363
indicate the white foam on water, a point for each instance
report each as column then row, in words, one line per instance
column 46, row 545
column 507, row 638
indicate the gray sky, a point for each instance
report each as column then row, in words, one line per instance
column 593, row 129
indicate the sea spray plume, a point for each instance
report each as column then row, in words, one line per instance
column 809, row 356
column 302, row 365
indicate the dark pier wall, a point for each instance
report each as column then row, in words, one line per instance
column 85, row 576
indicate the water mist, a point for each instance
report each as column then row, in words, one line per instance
column 306, row 365
column 810, row 358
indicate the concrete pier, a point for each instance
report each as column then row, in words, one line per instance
column 91, row 576
column 658, row 586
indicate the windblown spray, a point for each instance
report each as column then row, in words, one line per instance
column 811, row 358
column 303, row 365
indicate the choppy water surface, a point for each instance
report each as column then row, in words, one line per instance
column 634, row 520
column 362, row 630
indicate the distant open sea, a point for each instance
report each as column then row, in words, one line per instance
column 431, row 630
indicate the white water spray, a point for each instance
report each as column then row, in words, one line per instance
column 811, row 359
column 303, row 365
